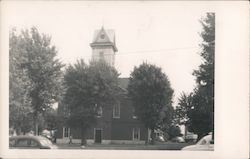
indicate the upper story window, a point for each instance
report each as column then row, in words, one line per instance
column 99, row 111
column 116, row 110
column 134, row 116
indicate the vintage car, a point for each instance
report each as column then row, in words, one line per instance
column 30, row 142
column 204, row 144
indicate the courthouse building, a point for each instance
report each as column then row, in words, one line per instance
column 117, row 124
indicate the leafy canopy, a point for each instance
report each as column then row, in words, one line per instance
column 183, row 107
column 151, row 94
column 35, row 73
column 89, row 87
column 19, row 100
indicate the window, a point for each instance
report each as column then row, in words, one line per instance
column 116, row 111
column 33, row 143
column 102, row 55
column 203, row 142
column 66, row 132
column 136, row 133
column 99, row 110
column 22, row 143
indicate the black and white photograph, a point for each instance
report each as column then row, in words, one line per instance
column 112, row 76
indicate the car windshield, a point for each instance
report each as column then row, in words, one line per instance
column 46, row 142
column 205, row 140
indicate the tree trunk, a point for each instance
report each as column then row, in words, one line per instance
column 152, row 135
column 83, row 137
column 147, row 139
column 35, row 124
column 185, row 130
column 19, row 131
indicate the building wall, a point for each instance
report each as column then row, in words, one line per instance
column 122, row 128
column 114, row 130
column 108, row 53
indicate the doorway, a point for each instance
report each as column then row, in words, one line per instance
column 98, row 135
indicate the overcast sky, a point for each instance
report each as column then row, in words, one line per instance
column 163, row 34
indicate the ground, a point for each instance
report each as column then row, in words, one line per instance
column 157, row 146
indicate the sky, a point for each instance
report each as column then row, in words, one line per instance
column 163, row 34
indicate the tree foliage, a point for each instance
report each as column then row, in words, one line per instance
column 174, row 131
column 52, row 119
column 19, row 101
column 201, row 114
column 89, row 87
column 198, row 107
column 182, row 109
column 33, row 63
column 151, row 94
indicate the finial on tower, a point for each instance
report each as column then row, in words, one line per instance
column 102, row 24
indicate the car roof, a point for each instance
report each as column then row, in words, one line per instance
column 28, row 137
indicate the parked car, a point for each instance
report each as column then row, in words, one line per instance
column 47, row 134
column 204, row 144
column 160, row 138
column 191, row 138
column 30, row 142
column 178, row 139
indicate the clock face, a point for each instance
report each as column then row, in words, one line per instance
column 102, row 36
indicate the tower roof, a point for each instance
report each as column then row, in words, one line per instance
column 104, row 37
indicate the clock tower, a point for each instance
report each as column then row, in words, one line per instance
column 103, row 46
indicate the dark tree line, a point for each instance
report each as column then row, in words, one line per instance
column 196, row 109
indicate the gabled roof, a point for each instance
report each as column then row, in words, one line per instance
column 108, row 37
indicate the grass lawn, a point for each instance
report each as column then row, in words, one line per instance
column 157, row 146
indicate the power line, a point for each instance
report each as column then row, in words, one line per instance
column 153, row 51
column 165, row 51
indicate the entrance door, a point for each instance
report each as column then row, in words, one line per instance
column 98, row 135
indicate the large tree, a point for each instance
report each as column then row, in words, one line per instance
column 38, row 65
column 151, row 94
column 19, row 101
column 201, row 114
column 89, row 87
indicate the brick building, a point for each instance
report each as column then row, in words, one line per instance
column 117, row 124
